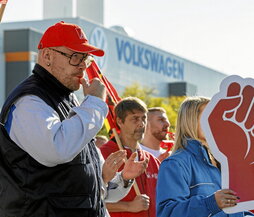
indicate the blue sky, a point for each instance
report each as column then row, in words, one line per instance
column 216, row 33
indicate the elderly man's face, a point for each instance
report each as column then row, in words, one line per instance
column 67, row 74
column 134, row 125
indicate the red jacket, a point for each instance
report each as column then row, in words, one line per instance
column 146, row 181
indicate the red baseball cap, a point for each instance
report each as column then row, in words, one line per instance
column 70, row 36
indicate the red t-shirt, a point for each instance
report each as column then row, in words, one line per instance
column 146, row 181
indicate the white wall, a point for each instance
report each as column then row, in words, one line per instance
column 91, row 9
column 64, row 8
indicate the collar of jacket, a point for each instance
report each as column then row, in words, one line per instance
column 51, row 81
column 196, row 148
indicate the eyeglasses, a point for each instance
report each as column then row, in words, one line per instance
column 76, row 58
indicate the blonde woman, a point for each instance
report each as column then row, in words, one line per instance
column 189, row 181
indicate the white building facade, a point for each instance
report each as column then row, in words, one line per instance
column 126, row 60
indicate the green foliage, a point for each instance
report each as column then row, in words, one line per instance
column 170, row 104
column 143, row 93
column 103, row 131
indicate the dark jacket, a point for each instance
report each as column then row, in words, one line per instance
column 30, row 189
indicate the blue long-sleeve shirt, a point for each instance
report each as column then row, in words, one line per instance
column 186, row 185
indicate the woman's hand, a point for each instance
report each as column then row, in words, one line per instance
column 226, row 198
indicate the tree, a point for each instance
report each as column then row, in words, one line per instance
column 143, row 93
column 170, row 104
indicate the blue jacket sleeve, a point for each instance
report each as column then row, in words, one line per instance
column 173, row 194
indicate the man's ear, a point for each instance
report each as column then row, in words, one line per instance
column 119, row 122
column 46, row 56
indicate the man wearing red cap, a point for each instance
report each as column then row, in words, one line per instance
column 49, row 165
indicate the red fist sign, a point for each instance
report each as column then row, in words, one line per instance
column 228, row 123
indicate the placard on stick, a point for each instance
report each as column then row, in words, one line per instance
column 228, row 123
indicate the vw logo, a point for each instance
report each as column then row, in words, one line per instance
column 98, row 39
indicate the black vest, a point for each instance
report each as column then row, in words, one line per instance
column 29, row 189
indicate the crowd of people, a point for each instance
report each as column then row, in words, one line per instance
column 53, row 163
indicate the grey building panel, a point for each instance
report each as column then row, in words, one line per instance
column 21, row 40
column 17, row 72
column 16, row 40
column 182, row 89
column 34, row 39
column 191, row 90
